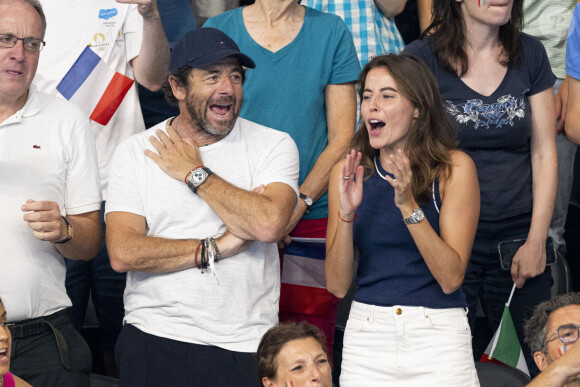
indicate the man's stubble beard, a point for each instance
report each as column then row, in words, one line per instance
column 201, row 121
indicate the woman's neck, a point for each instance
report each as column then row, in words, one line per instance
column 274, row 11
column 480, row 37
column 384, row 155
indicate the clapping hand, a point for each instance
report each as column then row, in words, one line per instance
column 403, row 181
column 351, row 184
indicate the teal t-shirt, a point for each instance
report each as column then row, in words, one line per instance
column 286, row 89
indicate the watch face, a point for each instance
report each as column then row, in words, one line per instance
column 198, row 176
column 418, row 215
column 308, row 201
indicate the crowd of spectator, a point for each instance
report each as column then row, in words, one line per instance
column 212, row 177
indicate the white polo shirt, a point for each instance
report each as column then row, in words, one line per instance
column 47, row 153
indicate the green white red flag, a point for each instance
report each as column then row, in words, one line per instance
column 505, row 347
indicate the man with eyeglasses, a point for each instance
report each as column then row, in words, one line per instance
column 552, row 335
column 49, row 205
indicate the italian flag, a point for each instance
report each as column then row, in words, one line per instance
column 505, row 347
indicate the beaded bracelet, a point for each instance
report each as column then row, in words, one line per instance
column 215, row 249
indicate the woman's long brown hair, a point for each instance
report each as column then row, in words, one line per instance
column 431, row 135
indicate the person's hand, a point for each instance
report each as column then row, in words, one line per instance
column 402, row 183
column 529, row 262
column 350, row 186
column 297, row 214
column 561, row 105
column 45, row 220
column 147, row 8
column 175, row 156
column 569, row 362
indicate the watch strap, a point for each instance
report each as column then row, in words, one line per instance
column 307, row 201
column 69, row 230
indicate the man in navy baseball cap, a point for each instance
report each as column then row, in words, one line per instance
column 194, row 208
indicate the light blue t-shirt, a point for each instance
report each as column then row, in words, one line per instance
column 286, row 89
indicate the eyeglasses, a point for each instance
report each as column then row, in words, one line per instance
column 566, row 333
column 30, row 44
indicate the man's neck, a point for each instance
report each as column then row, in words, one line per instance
column 10, row 106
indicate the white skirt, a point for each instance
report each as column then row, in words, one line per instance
column 407, row 346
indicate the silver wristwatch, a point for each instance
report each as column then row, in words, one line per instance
column 415, row 217
column 197, row 177
column 307, row 201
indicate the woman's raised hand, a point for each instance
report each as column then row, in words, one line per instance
column 351, row 185
column 401, row 167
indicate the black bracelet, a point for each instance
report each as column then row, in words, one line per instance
column 206, row 258
column 202, row 258
column 215, row 249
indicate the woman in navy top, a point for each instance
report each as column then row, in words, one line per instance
column 410, row 203
column 496, row 84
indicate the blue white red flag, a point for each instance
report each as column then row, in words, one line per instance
column 304, row 287
column 94, row 87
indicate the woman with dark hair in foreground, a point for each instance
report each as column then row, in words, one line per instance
column 409, row 202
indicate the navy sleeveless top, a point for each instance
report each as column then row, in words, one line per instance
column 391, row 270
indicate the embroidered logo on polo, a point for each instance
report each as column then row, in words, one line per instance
column 493, row 115
column 107, row 13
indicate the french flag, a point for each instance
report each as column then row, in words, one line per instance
column 303, row 284
column 94, row 87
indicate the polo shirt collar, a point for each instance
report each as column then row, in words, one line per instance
column 30, row 108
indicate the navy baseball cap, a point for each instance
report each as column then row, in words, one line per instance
column 205, row 46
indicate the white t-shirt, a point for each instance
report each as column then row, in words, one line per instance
column 114, row 31
column 47, row 153
column 234, row 311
